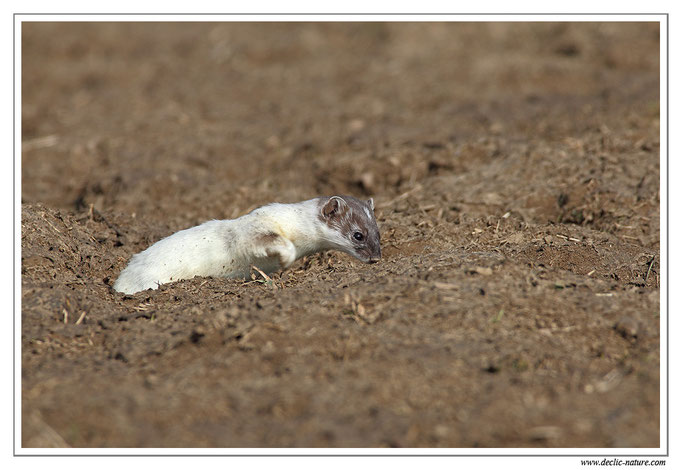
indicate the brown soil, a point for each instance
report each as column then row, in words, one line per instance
column 516, row 173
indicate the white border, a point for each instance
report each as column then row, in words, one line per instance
column 579, row 452
column 310, row 17
column 664, row 351
column 17, row 235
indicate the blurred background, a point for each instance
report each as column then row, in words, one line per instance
column 149, row 115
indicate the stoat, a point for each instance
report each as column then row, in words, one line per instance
column 271, row 237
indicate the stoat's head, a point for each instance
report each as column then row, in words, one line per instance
column 352, row 227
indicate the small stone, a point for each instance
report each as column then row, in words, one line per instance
column 367, row 181
column 627, row 327
column 441, row 431
column 269, row 348
column 515, row 238
column 496, row 128
column 151, row 380
column 356, row 125
column 483, row 271
column 273, row 142
column 196, row 335
column 545, row 433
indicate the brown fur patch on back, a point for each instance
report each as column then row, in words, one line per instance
column 267, row 238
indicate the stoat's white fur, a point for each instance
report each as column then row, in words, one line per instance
column 271, row 237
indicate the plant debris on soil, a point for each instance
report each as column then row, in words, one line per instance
column 515, row 169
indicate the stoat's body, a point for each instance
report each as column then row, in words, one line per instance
column 271, row 237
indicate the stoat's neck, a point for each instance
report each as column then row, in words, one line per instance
column 300, row 223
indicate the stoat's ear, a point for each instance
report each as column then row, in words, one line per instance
column 370, row 201
column 335, row 205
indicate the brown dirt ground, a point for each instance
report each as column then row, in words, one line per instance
column 516, row 171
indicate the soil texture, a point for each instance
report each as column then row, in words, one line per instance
column 515, row 170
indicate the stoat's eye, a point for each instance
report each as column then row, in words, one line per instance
column 358, row 236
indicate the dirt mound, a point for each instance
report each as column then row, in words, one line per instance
column 515, row 170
